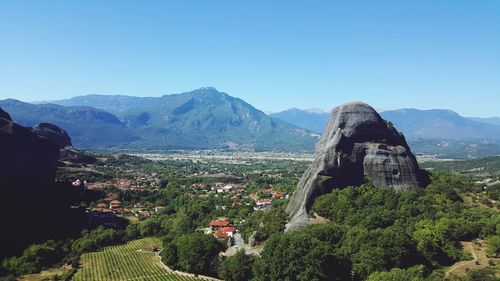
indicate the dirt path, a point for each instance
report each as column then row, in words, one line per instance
column 480, row 260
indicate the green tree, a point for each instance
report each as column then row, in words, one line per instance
column 493, row 245
column 305, row 254
column 195, row 253
column 34, row 258
column 150, row 227
column 397, row 274
column 237, row 267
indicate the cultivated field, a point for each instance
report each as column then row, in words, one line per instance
column 127, row 262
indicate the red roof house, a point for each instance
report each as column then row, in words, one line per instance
column 219, row 223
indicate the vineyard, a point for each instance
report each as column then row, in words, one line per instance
column 127, row 262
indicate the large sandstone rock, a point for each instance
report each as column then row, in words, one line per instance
column 357, row 144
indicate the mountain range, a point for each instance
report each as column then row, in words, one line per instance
column 200, row 119
column 206, row 119
column 414, row 123
column 438, row 132
column 88, row 127
column 314, row 120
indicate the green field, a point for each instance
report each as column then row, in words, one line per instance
column 125, row 262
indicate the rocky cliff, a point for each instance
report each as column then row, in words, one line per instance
column 52, row 133
column 24, row 157
column 356, row 145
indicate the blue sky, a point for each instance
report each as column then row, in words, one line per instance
column 273, row 54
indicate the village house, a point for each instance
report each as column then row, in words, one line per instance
column 111, row 197
column 115, row 204
column 150, row 248
column 144, row 214
column 225, row 232
column 263, row 203
column 198, row 185
column 95, row 185
column 218, row 224
column 278, row 195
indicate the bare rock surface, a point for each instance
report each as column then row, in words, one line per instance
column 4, row 115
column 357, row 144
column 52, row 133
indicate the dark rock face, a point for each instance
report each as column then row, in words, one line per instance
column 33, row 206
column 356, row 145
column 4, row 115
column 72, row 155
column 24, row 157
column 52, row 133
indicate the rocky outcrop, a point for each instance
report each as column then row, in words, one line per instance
column 356, row 145
column 25, row 158
column 4, row 115
column 52, row 133
column 58, row 136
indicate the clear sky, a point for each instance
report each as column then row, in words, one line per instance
column 273, row 54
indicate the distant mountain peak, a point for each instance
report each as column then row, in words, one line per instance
column 202, row 118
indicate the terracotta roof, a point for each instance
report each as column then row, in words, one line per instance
column 228, row 229
column 221, row 234
column 219, row 223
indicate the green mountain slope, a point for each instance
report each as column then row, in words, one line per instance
column 312, row 120
column 88, row 127
column 200, row 119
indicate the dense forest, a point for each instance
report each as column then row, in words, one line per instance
column 370, row 233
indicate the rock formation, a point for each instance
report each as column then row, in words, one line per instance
column 5, row 115
column 24, row 157
column 357, row 144
column 52, row 133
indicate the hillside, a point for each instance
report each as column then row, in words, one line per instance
column 89, row 127
column 490, row 120
column 439, row 124
column 309, row 119
column 110, row 103
column 414, row 123
column 200, row 119
column 206, row 118
column 443, row 133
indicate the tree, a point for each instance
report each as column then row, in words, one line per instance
column 306, row 254
column 150, row 227
column 368, row 260
column 432, row 243
column 494, row 245
column 237, row 267
column 34, row 258
column 195, row 253
column 397, row 274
